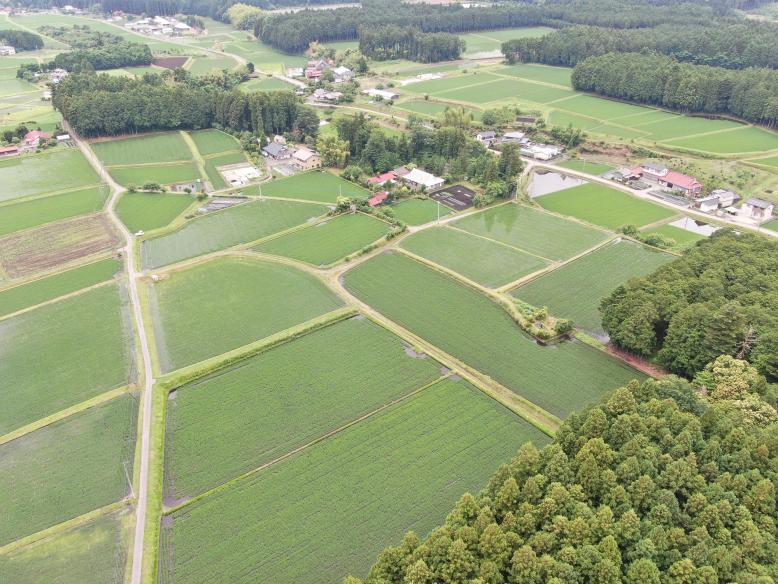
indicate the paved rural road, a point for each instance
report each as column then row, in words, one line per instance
column 148, row 375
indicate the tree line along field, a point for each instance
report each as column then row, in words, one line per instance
column 304, row 519
column 295, row 393
column 574, row 291
column 220, row 230
column 236, row 301
column 67, row 468
column 456, row 318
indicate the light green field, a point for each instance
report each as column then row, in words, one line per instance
column 78, row 342
column 542, row 73
column 771, row 225
column 771, row 161
column 326, row 242
column 149, row 149
column 502, row 89
column 165, row 174
column 295, row 392
column 585, row 166
column 37, row 291
column 66, row 469
column 532, row 231
column 451, row 82
column 432, row 108
column 600, row 108
column 315, row 185
column 210, row 64
column 24, row 176
column 683, row 237
column 91, row 554
column 214, row 176
column 485, row 261
column 147, row 211
column 679, row 126
column 222, row 229
column 489, row 41
column 746, row 139
column 601, row 205
column 213, row 142
column 575, row 290
column 266, row 58
column 45, row 210
column 266, row 84
column 403, row 469
column 15, row 86
column 562, row 379
column 418, row 211
column 237, row 301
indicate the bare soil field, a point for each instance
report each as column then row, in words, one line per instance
column 170, row 62
column 56, row 244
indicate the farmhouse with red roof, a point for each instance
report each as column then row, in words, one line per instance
column 669, row 179
column 378, row 198
column 382, row 178
column 33, row 139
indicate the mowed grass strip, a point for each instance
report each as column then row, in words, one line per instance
column 329, row 510
column 326, row 242
column 147, row 211
column 25, row 176
column 604, row 206
column 486, row 262
column 90, row 554
column 226, row 303
column 214, row 141
column 66, row 469
column 36, row 212
column 575, row 290
column 167, row 174
column 246, row 415
column 418, row 211
column 561, row 379
column 152, row 148
column 219, row 230
column 532, row 230
column 58, row 355
column 37, row 291
column 315, row 185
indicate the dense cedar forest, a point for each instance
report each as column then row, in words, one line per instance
column 394, row 42
column 656, row 484
column 750, row 94
column 720, row 298
column 21, row 40
column 734, row 45
column 100, row 104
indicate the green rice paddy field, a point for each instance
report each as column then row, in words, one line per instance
column 32, row 213
column 166, row 174
column 683, row 237
column 585, row 166
column 532, row 231
column 213, row 142
column 265, row 58
column 418, row 211
column 58, row 170
column 604, row 206
column 328, row 241
column 37, row 291
column 222, row 229
column 90, row 554
column 490, row 40
column 147, row 149
column 482, row 260
column 67, row 468
column 210, row 64
column 562, row 379
column 237, row 301
column 265, row 84
column 305, row 520
column 314, row 185
column 147, row 211
column 575, row 290
column 80, row 342
column 293, row 394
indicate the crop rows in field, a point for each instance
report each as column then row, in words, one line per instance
column 147, row 211
column 561, row 379
column 330, row 509
column 27, row 176
column 27, row 214
column 315, row 185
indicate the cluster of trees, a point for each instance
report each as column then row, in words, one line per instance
column 654, row 485
column 720, row 298
column 244, row 16
column 750, row 94
column 101, row 104
column 396, row 42
column 21, row 40
column 734, row 45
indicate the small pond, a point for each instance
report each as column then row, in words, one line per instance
column 545, row 182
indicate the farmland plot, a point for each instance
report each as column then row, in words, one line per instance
column 79, row 342
column 164, row 174
column 562, row 379
column 259, row 409
column 213, row 142
column 237, row 301
column 36, row 212
column 485, row 261
column 147, row 211
column 326, row 242
column 532, row 231
column 219, row 230
column 418, row 211
column 683, row 237
column 304, row 520
column 90, row 554
column 66, row 469
column 314, row 185
column 148, row 149
column 37, row 291
column 57, row 244
column 212, row 164
column 24, row 176
column 575, row 290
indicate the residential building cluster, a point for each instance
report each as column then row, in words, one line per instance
column 530, row 149
column 301, row 158
column 315, row 68
column 159, row 25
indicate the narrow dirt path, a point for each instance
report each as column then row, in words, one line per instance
column 148, row 377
